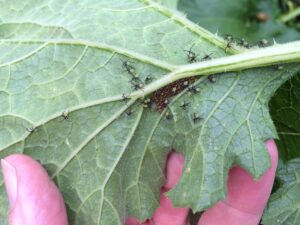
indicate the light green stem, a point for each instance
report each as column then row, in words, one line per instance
column 291, row 15
column 277, row 54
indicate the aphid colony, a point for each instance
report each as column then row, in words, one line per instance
column 161, row 97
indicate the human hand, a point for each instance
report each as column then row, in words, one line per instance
column 245, row 202
column 34, row 199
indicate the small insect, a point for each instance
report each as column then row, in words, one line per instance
column 31, row 130
column 206, row 57
column 129, row 68
column 135, row 78
column 169, row 116
column 263, row 43
column 196, row 118
column 166, row 102
column 128, row 112
column 228, row 38
column 148, row 79
column 174, row 89
column 191, row 56
column 184, row 105
column 65, row 115
column 185, row 84
column 137, row 86
column 147, row 103
column 193, row 90
column 243, row 43
column 212, row 78
column 229, row 41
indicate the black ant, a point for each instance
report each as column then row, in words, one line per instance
column 137, row 86
column 169, row 116
column 196, row 118
column 129, row 68
column 193, row 90
column 262, row 43
column 229, row 42
column 65, row 115
column 243, row 43
column 124, row 98
column 31, row 130
column 129, row 112
column 184, row 105
column 211, row 78
column 191, row 56
column 206, row 57
column 148, row 79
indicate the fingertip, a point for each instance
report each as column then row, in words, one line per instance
column 37, row 200
column 166, row 214
column 174, row 169
column 273, row 152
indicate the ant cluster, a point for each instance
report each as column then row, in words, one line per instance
column 192, row 56
column 136, row 82
column 231, row 41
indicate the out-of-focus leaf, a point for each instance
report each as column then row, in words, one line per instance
column 284, row 205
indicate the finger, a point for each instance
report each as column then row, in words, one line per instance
column 166, row 214
column 33, row 197
column 246, row 198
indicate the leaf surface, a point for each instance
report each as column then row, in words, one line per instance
column 67, row 58
column 284, row 205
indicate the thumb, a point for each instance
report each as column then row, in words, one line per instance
column 33, row 197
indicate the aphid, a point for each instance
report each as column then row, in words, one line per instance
column 196, row 118
column 129, row 68
column 31, row 130
column 191, row 56
column 65, row 115
column 211, row 78
column 128, row 112
column 137, row 86
column 206, row 57
column 135, row 78
column 263, row 43
column 174, row 89
column 193, row 90
column 243, row 43
column 148, row 79
column 169, row 116
column 147, row 103
column 184, row 105
column 166, row 102
column 185, row 83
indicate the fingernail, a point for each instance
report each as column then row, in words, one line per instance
column 10, row 180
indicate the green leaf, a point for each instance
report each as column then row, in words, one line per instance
column 285, row 111
column 239, row 18
column 66, row 59
column 284, row 205
column 168, row 3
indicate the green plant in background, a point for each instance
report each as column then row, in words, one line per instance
column 79, row 86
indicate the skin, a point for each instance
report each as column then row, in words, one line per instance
column 34, row 198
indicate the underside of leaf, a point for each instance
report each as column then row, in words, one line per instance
column 63, row 88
